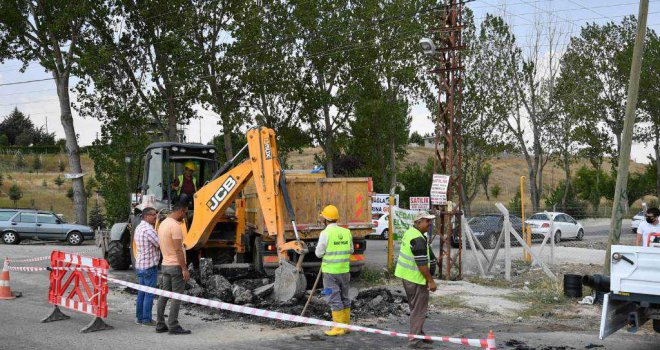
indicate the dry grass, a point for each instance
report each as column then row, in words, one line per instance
column 506, row 171
column 35, row 195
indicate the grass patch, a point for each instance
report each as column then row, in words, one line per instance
column 373, row 277
column 489, row 282
column 544, row 296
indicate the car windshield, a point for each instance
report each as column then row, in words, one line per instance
column 539, row 217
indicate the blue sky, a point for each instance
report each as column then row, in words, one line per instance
column 39, row 99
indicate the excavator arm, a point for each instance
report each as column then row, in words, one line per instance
column 214, row 198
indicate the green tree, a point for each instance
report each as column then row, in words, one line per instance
column 58, row 181
column 15, row 124
column 592, row 185
column 15, row 194
column 61, row 166
column 484, row 175
column 44, row 184
column 379, row 135
column 49, row 32
column 37, row 164
column 515, row 204
column 495, row 190
column 20, row 160
column 69, row 193
column 96, row 217
column 416, row 181
column 416, row 138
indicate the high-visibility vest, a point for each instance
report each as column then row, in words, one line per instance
column 338, row 252
column 194, row 180
column 406, row 267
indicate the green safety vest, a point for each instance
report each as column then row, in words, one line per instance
column 178, row 192
column 337, row 255
column 406, row 267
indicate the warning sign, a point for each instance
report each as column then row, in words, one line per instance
column 439, row 189
column 419, row 203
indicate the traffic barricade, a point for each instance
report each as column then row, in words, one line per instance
column 79, row 283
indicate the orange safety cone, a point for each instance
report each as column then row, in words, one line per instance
column 491, row 341
column 5, row 290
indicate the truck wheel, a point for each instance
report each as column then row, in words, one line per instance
column 656, row 326
column 119, row 256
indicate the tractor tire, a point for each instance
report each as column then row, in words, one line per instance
column 119, row 256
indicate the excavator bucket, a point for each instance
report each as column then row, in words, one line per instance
column 290, row 282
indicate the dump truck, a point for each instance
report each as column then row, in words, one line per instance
column 632, row 291
column 249, row 213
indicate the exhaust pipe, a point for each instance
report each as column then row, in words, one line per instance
column 598, row 283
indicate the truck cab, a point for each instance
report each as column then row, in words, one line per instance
column 164, row 163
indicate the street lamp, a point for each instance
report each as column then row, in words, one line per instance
column 427, row 46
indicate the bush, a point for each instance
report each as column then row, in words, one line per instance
column 574, row 207
column 61, row 165
column 37, row 164
column 15, row 194
column 2, row 179
column 515, row 205
column 496, row 190
column 96, row 217
column 69, row 193
column 58, row 181
column 416, row 138
column 44, row 184
column 20, row 160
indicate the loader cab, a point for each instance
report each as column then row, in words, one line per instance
column 164, row 163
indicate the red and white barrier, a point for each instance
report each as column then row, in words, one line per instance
column 488, row 343
column 95, row 303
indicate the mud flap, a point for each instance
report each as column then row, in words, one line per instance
column 289, row 282
column 616, row 315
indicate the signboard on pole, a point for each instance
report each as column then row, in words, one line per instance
column 439, row 189
column 419, row 203
column 380, row 201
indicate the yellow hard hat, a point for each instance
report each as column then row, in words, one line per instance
column 190, row 165
column 330, row 212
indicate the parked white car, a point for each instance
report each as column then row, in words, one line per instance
column 636, row 220
column 564, row 225
column 381, row 227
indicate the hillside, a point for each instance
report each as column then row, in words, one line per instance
column 506, row 174
column 506, row 171
column 35, row 195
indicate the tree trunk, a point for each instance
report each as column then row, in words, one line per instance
column 567, row 172
column 72, row 150
column 329, row 144
column 467, row 203
column 657, row 159
column 393, row 163
column 226, row 138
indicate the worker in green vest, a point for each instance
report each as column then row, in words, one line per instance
column 186, row 182
column 335, row 247
column 413, row 268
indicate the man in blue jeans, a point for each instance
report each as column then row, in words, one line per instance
column 146, row 264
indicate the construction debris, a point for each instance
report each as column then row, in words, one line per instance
column 219, row 287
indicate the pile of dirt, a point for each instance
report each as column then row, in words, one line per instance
column 380, row 302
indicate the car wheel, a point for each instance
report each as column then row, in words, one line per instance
column 491, row 241
column 580, row 235
column 10, row 238
column 557, row 237
column 385, row 235
column 74, row 238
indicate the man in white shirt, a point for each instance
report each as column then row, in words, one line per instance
column 650, row 230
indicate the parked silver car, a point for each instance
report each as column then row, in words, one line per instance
column 20, row 224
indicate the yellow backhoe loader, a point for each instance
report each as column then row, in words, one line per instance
column 243, row 207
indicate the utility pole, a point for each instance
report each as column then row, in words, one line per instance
column 620, row 194
column 448, row 125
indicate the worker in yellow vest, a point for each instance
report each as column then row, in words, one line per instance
column 335, row 247
column 186, row 182
column 413, row 268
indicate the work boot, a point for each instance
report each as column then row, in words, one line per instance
column 178, row 330
column 346, row 318
column 336, row 318
column 161, row 328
